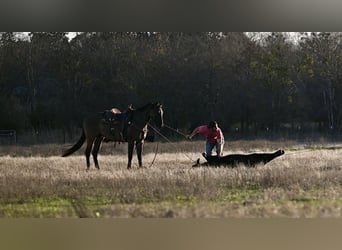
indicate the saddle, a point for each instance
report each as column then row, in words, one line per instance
column 117, row 120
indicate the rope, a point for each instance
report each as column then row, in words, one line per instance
column 298, row 151
column 175, row 130
column 172, row 143
column 155, row 156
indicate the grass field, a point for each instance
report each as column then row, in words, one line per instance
column 305, row 182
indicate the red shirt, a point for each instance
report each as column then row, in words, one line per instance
column 211, row 135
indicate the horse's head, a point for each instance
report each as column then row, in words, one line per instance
column 280, row 152
column 156, row 114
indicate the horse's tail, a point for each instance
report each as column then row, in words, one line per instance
column 77, row 146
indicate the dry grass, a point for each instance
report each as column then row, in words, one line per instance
column 37, row 182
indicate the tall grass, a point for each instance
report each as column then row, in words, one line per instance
column 37, row 182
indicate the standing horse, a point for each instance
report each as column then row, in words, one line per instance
column 96, row 129
column 133, row 130
column 136, row 130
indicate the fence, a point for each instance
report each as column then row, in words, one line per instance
column 8, row 136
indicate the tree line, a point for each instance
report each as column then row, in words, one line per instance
column 253, row 84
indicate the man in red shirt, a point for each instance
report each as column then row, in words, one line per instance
column 214, row 137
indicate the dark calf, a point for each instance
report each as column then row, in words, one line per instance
column 234, row 159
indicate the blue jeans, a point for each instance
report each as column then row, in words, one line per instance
column 210, row 146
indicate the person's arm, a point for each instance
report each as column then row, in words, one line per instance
column 220, row 137
column 194, row 132
column 220, row 143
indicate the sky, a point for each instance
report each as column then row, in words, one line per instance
column 293, row 36
column 70, row 35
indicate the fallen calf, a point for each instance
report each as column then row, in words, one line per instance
column 235, row 159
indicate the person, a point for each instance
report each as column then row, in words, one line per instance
column 214, row 137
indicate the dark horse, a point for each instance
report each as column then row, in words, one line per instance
column 234, row 159
column 133, row 130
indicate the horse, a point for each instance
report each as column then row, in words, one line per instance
column 130, row 126
column 136, row 130
column 233, row 160
column 96, row 129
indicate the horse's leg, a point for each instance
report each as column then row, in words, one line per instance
column 88, row 150
column 139, row 152
column 97, row 144
column 130, row 153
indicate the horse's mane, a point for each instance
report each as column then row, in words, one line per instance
column 145, row 106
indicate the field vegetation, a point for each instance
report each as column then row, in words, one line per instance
column 35, row 182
